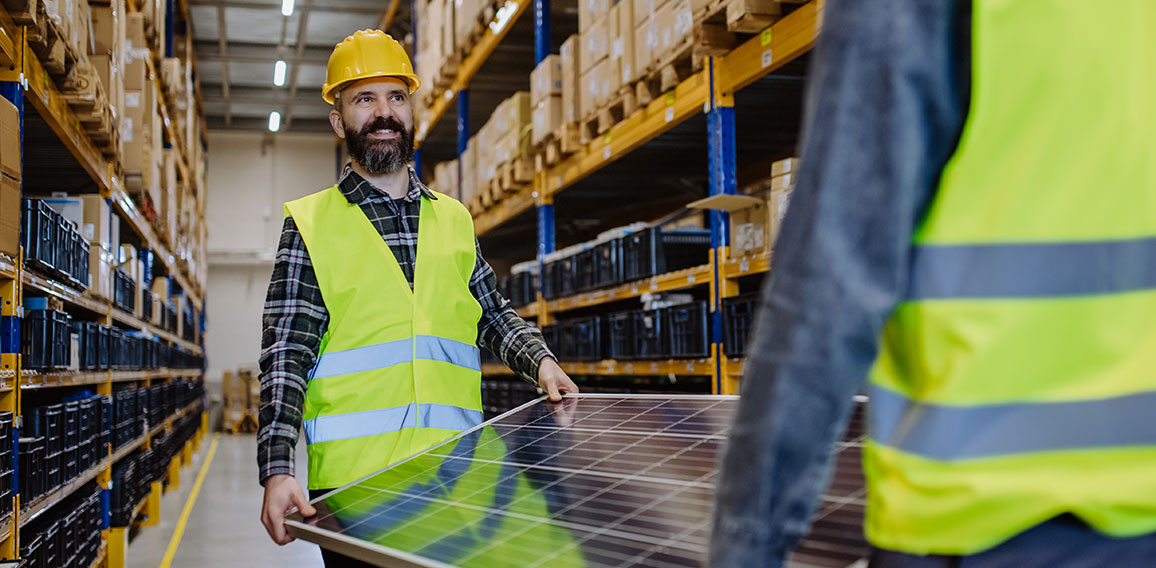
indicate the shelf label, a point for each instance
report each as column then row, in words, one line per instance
column 669, row 114
column 690, row 367
column 654, row 367
column 669, row 99
column 630, row 367
column 606, row 153
column 767, row 58
column 634, row 289
column 690, row 279
column 765, row 37
column 745, row 265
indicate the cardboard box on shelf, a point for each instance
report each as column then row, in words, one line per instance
column 605, row 80
column 787, row 166
column 9, row 140
column 135, row 32
column 589, row 12
column 134, row 136
column 449, row 38
column 682, row 28
column 135, row 74
column 571, row 79
column 99, row 271
column 750, row 221
column 104, row 30
column 546, row 79
column 622, row 50
column 645, row 44
column 81, row 27
column 664, row 21
column 595, row 45
column 9, row 216
column 547, row 118
column 587, row 100
column 785, row 181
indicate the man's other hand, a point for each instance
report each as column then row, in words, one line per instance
column 553, row 380
column 282, row 492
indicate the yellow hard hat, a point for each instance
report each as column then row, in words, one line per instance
column 366, row 54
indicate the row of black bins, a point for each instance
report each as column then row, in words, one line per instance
column 64, row 440
column 47, row 345
column 665, row 333
column 520, row 289
column 502, row 395
column 67, row 535
column 52, row 244
column 132, row 476
column 642, row 254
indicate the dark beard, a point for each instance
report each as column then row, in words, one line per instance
column 380, row 156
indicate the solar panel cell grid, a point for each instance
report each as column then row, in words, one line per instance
column 597, row 481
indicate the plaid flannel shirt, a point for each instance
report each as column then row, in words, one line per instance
column 295, row 317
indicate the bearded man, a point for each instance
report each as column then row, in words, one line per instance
column 373, row 348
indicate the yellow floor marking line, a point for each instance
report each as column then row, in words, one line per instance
column 167, row 561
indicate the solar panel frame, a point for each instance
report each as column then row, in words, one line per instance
column 845, row 543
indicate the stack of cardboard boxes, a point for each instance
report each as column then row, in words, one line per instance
column 546, row 98
column 242, row 394
column 10, row 172
column 755, row 217
column 448, row 30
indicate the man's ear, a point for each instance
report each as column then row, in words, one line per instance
column 336, row 123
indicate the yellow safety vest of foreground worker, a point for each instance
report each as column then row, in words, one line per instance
column 399, row 369
column 1018, row 380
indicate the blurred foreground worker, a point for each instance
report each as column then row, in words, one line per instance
column 378, row 303
column 973, row 235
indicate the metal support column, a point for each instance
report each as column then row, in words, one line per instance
column 14, row 92
column 542, row 43
column 463, row 132
column 722, row 168
column 170, row 26
column 542, row 48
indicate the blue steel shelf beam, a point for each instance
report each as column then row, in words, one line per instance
column 542, row 48
column 722, row 176
column 463, row 132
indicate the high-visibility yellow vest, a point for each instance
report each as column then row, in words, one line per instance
column 464, row 504
column 1017, row 382
column 399, row 369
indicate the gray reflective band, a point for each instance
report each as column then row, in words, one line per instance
column 1035, row 270
column 385, row 420
column 368, row 358
column 950, row 433
column 384, row 355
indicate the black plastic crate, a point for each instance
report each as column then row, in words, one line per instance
column 585, row 269
column 583, row 339
column 54, row 471
column 70, row 463
column 521, row 288
column 38, row 233
column 608, row 268
column 687, row 328
column 52, row 420
column 650, row 334
column 559, row 278
column 738, row 317
column 620, row 328
column 653, row 251
column 31, row 548
column 32, row 479
column 71, row 425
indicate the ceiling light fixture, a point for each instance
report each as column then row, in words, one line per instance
column 274, row 121
column 287, row 7
column 279, row 73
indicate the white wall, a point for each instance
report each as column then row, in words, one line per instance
column 250, row 176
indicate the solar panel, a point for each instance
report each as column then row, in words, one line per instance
column 595, row 481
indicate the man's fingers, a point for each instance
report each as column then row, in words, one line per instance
column 568, row 385
column 552, row 390
column 303, row 504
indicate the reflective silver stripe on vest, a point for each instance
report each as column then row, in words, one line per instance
column 455, row 352
column 368, row 358
column 384, row 355
column 386, row 420
column 950, row 433
column 1036, row 270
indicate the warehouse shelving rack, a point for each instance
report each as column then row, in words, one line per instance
column 710, row 91
column 24, row 82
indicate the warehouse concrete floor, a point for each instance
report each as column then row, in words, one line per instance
column 223, row 528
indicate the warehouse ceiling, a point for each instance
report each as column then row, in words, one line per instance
column 238, row 44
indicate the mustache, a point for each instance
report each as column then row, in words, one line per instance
column 382, row 123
